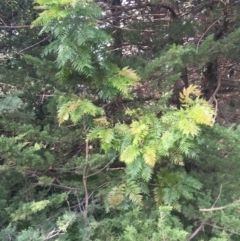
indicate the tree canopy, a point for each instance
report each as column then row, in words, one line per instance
column 119, row 120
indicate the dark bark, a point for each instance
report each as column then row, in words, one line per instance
column 210, row 80
column 117, row 32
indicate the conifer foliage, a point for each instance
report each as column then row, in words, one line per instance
column 108, row 121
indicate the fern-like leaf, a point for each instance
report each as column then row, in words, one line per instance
column 116, row 196
column 130, row 154
column 189, row 94
column 149, row 155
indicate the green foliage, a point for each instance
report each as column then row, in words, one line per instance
column 129, row 189
column 10, row 102
column 144, row 142
column 73, row 35
column 25, row 210
column 157, row 225
column 171, row 62
column 30, row 234
column 75, row 109
column 45, row 181
column 174, row 185
column 120, row 83
column 131, row 166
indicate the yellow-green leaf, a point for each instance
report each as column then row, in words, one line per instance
column 129, row 154
column 129, row 73
column 188, row 127
column 149, row 156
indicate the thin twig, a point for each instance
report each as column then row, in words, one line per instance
column 213, row 97
column 19, row 26
column 84, row 179
column 221, row 228
column 220, row 191
column 218, row 208
column 196, row 232
column 31, row 46
column 95, row 173
column 206, row 32
column 3, row 22
column 64, row 187
column 85, row 189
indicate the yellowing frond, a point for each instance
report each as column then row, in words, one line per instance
column 129, row 154
column 121, row 128
column 63, row 114
column 130, row 112
column 188, row 127
column 140, row 130
column 138, row 127
column 129, row 73
column 101, row 121
column 115, row 197
column 133, row 192
column 149, row 156
column 202, row 113
column 188, row 94
column 106, row 135
column 76, row 108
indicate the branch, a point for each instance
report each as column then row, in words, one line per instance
column 85, row 189
column 220, row 191
column 32, row 45
column 221, row 228
column 213, row 97
column 19, row 26
column 64, row 187
column 206, row 32
column 218, row 208
column 95, row 173
column 196, row 232
column 84, row 178
column 121, row 9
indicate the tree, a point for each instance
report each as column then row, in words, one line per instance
column 89, row 150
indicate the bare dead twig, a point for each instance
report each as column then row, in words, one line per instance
column 121, row 9
column 95, row 173
column 221, row 228
column 3, row 22
column 196, row 232
column 84, row 179
column 213, row 97
column 220, row 191
column 19, row 26
column 206, row 32
column 31, row 46
column 85, row 189
column 218, row 208
column 64, row 187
